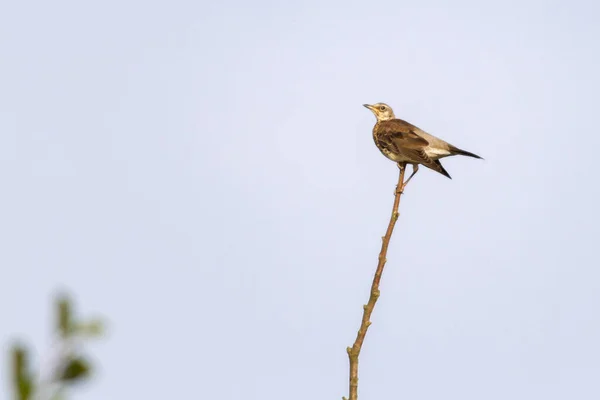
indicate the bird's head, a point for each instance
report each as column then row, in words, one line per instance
column 382, row 111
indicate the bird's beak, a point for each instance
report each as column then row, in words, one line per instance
column 370, row 107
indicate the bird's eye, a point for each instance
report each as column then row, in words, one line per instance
column 382, row 108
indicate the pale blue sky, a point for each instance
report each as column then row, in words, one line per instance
column 203, row 175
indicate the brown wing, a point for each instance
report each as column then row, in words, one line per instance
column 399, row 137
column 400, row 134
column 395, row 136
column 422, row 158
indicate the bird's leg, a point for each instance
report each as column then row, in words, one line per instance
column 400, row 188
column 415, row 169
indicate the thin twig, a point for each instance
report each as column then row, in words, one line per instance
column 354, row 351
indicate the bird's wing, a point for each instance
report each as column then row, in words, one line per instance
column 419, row 156
column 434, row 141
column 399, row 137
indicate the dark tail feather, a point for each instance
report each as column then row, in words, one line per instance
column 456, row 150
column 439, row 168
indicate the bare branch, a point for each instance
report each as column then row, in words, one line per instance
column 354, row 351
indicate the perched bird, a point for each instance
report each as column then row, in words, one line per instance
column 404, row 143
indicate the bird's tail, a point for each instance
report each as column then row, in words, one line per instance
column 456, row 150
column 437, row 166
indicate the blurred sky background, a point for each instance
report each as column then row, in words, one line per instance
column 203, row 175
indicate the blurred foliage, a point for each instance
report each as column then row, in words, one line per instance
column 22, row 381
column 71, row 365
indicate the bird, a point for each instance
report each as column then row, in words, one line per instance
column 404, row 143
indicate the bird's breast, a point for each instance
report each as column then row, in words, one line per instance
column 387, row 150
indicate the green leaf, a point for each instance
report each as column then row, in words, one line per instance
column 94, row 328
column 25, row 389
column 23, row 384
column 77, row 369
column 64, row 315
column 19, row 359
